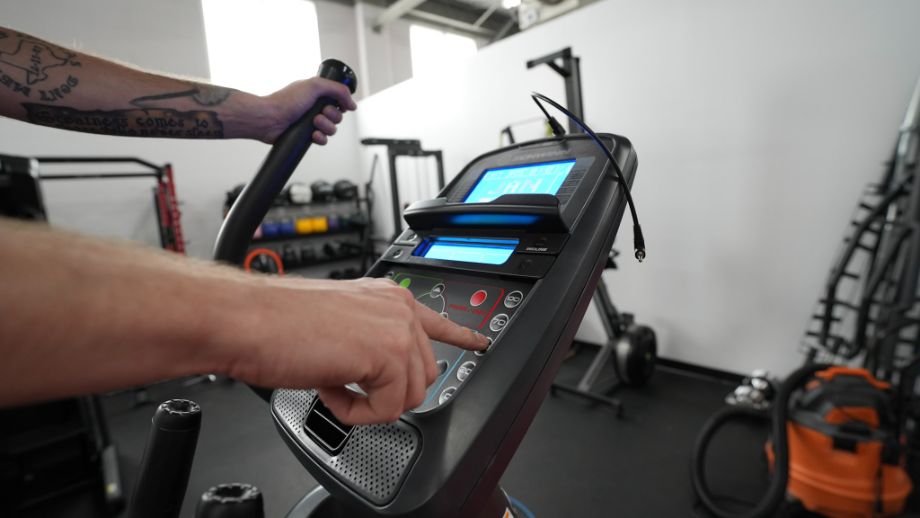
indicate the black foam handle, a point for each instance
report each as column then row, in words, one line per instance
column 167, row 460
column 253, row 203
column 231, row 501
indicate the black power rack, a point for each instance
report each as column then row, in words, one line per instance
column 166, row 203
column 870, row 308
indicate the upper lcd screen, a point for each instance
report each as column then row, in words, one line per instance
column 543, row 178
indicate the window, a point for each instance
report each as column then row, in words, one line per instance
column 434, row 50
column 260, row 46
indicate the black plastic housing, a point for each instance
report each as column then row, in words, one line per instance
column 464, row 447
column 167, row 460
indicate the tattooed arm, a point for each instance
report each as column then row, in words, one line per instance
column 46, row 84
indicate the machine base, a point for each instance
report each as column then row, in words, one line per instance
column 318, row 503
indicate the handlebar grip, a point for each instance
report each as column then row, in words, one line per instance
column 253, row 203
column 167, row 460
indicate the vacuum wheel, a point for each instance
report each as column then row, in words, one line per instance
column 635, row 354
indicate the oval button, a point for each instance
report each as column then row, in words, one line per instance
column 498, row 322
column 487, row 349
column 465, row 370
column 478, row 298
column 446, row 395
column 513, row 299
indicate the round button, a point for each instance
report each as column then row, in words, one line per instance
column 478, row 298
column 444, row 314
column 487, row 349
column 411, row 236
column 498, row 322
column 442, row 366
column 397, row 254
column 390, row 275
column 465, row 370
column 446, row 395
column 513, row 299
column 436, row 291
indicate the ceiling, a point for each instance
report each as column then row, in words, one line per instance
column 484, row 19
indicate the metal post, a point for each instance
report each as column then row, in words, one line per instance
column 394, row 193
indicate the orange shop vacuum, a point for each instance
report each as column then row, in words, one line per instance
column 835, row 447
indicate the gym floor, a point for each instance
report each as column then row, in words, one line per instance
column 576, row 460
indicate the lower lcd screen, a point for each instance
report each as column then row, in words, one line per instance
column 542, row 178
column 469, row 250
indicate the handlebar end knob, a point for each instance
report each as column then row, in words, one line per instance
column 337, row 71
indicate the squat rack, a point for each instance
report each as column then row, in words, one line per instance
column 404, row 147
column 164, row 192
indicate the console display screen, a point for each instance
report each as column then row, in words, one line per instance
column 469, row 250
column 542, row 178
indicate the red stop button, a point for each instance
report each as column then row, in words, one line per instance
column 478, row 298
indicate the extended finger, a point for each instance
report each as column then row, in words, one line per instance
column 385, row 401
column 427, row 355
column 442, row 329
column 415, row 389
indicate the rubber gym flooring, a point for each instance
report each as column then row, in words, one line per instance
column 577, row 460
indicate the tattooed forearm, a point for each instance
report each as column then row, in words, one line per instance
column 151, row 122
column 203, row 95
column 25, row 64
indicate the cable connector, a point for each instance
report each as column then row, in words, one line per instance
column 554, row 126
column 638, row 239
column 557, row 129
column 639, row 242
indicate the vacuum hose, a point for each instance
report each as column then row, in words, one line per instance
column 776, row 491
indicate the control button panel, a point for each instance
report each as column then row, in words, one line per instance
column 485, row 306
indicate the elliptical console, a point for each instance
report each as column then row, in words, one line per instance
column 513, row 248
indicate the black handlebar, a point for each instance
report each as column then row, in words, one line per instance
column 253, row 203
column 167, row 460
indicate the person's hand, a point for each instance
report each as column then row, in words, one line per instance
column 292, row 101
column 326, row 334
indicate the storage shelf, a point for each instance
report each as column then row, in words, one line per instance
column 290, row 237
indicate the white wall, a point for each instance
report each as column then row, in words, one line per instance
column 756, row 124
column 386, row 58
column 168, row 36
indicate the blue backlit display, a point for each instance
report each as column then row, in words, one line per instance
column 482, row 251
column 543, row 178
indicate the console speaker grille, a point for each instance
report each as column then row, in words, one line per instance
column 373, row 462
